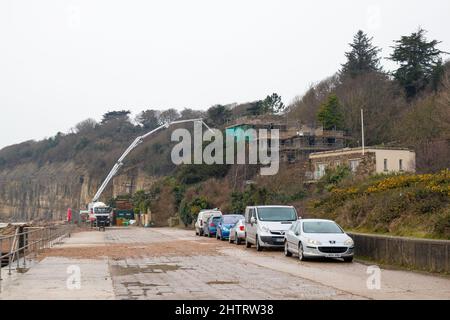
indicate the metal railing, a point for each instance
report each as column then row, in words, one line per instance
column 26, row 241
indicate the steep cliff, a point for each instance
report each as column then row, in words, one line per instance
column 32, row 192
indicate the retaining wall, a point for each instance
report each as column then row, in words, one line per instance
column 420, row 254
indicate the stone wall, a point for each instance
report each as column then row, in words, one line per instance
column 367, row 164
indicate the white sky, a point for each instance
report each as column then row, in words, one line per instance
column 62, row 61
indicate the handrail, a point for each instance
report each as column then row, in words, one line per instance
column 28, row 240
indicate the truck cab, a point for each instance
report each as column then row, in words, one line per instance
column 100, row 213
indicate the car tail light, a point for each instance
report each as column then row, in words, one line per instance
column 212, row 224
column 241, row 228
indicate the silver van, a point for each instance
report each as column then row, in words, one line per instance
column 265, row 226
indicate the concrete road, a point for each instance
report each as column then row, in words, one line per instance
column 163, row 263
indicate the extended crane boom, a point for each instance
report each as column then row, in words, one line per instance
column 132, row 146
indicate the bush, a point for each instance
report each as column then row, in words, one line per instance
column 189, row 210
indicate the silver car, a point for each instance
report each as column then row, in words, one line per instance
column 237, row 232
column 309, row 238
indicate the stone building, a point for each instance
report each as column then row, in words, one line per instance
column 371, row 160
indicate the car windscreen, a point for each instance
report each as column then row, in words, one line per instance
column 277, row 214
column 102, row 210
column 321, row 227
column 231, row 219
column 214, row 220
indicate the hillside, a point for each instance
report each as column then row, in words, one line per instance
column 40, row 179
column 415, row 205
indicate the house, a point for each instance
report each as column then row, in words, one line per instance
column 363, row 162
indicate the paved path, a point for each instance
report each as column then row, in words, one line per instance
column 163, row 263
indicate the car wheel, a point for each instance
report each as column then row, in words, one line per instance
column 301, row 256
column 258, row 245
column 287, row 253
column 247, row 244
column 237, row 240
column 348, row 259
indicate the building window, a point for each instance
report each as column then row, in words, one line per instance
column 385, row 165
column 354, row 165
column 400, row 164
column 320, row 172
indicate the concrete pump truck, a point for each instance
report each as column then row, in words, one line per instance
column 99, row 213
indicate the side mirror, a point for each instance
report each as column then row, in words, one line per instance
column 297, row 233
column 252, row 220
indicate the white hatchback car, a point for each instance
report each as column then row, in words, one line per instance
column 310, row 238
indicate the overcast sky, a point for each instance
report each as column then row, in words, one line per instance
column 62, row 61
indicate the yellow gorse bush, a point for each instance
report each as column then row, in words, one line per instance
column 437, row 183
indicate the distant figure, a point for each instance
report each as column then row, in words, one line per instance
column 69, row 215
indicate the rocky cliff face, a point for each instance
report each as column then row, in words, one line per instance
column 29, row 192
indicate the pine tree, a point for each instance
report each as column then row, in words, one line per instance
column 362, row 58
column 330, row 115
column 420, row 62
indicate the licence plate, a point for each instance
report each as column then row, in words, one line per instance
column 333, row 255
column 279, row 239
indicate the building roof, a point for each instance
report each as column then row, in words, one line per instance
column 354, row 150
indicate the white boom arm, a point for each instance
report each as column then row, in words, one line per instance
column 132, row 146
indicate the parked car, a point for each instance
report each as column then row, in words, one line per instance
column 201, row 219
column 210, row 225
column 265, row 225
column 310, row 238
column 237, row 232
column 226, row 222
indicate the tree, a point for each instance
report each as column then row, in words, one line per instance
column 188, row 113
column 85, row 126
column 256, row 108
column 169, row 115
column 362, row 58
column 149, row 119
column 330, row 114
column 218, row 114
column 122, row 115
column 273, row 104
column 420, row 62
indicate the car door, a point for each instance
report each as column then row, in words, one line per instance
column 290, row 235
column 219, row 227
column 251, row 227
column 297, row 236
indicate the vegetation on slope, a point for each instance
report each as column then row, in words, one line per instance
column 405, row 205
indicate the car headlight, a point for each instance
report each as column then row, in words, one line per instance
column 265, row 229
column 349, row 242
column 314, row 242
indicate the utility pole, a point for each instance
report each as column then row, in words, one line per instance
column 362, row 130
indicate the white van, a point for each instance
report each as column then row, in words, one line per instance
column 265, row 226
column 202, row 217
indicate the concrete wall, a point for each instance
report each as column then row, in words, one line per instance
column 393, row 157
column 420, row 254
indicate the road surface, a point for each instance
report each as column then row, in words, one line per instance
column 165, row 263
